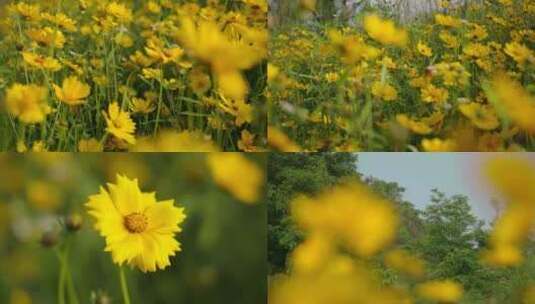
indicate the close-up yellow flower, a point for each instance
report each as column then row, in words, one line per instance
column 139, row 230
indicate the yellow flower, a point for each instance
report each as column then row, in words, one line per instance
column 139, row 230
column 73, row 91
column 47, row 37
column 413, row 125
column 351, row 47
column 334, row 212
column 19, row 296
column 424, row 49
column 119, row 11
column 449, row 40
column 482, row 116
column 307, row 5
column 312, row 254
column 476, row 50
column 404, row 262
column 233, row 85
column 119, row 123
column 332, row 77
column 238, row 108
column 246, row 142
column 172, row 141
column 124, row 40
column 199, row 82
column 226, row 57
column 447, row 21
column 519, row 52
column 442, row 291
column 144, row 106
column 149, row 73
column 165, row 55
column 41, row 62
column 39, row 146
column 31, row 12
column 517, row 103
column 89, row 145
column 438, row 145
column 43, row 196
column 64, row 22
column 280, row 141
column 384, row 31
column 515, row 224
column 237, row 174
column 384, row 91
column 431, row 93
column 273, row 72
column 28, row 103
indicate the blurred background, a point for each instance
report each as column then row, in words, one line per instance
column 223, row 258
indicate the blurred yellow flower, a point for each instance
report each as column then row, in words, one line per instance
column 404, row 262
column 41, row 62
column 447, row 21
column 431, row 93
column 333, row 213
column 43, row 196
column 519, row 52
column 119, row 11
column 438, row 145
column 139, row 230
column 424, row 49
column 89, row 145
column 417, row 127
column 172, row 141
column 441, row 291
column 19, row 296
column 73, row 92
column 384, row 31
column 119, row 123
column 513, row 227
column 240, row 176
column 384, row 91
column 308, row 5
column 280, row 141
column 517, row 103
column 482, row 116
column 27, row 102
column 47, row 37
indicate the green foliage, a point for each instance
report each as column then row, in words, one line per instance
column 290, row 174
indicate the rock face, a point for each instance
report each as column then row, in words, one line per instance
column 345, row 10
column 404, row 10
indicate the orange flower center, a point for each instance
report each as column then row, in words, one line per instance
column 136, row 222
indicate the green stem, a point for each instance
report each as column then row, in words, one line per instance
column 61, row 281
column 71, row 291
column 124, row 286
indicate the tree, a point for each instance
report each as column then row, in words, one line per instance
column 290, row 174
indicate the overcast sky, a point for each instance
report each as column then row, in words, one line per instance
column 451, row 173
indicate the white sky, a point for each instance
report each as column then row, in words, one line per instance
column 451, row 173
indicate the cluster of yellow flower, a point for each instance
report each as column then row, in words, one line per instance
column 448, row 82
column 91, row 75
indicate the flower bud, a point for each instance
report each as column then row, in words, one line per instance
column 74, row 222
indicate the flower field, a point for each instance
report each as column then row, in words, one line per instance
column 459, row 79
column 89, row 229
column 164, row 75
